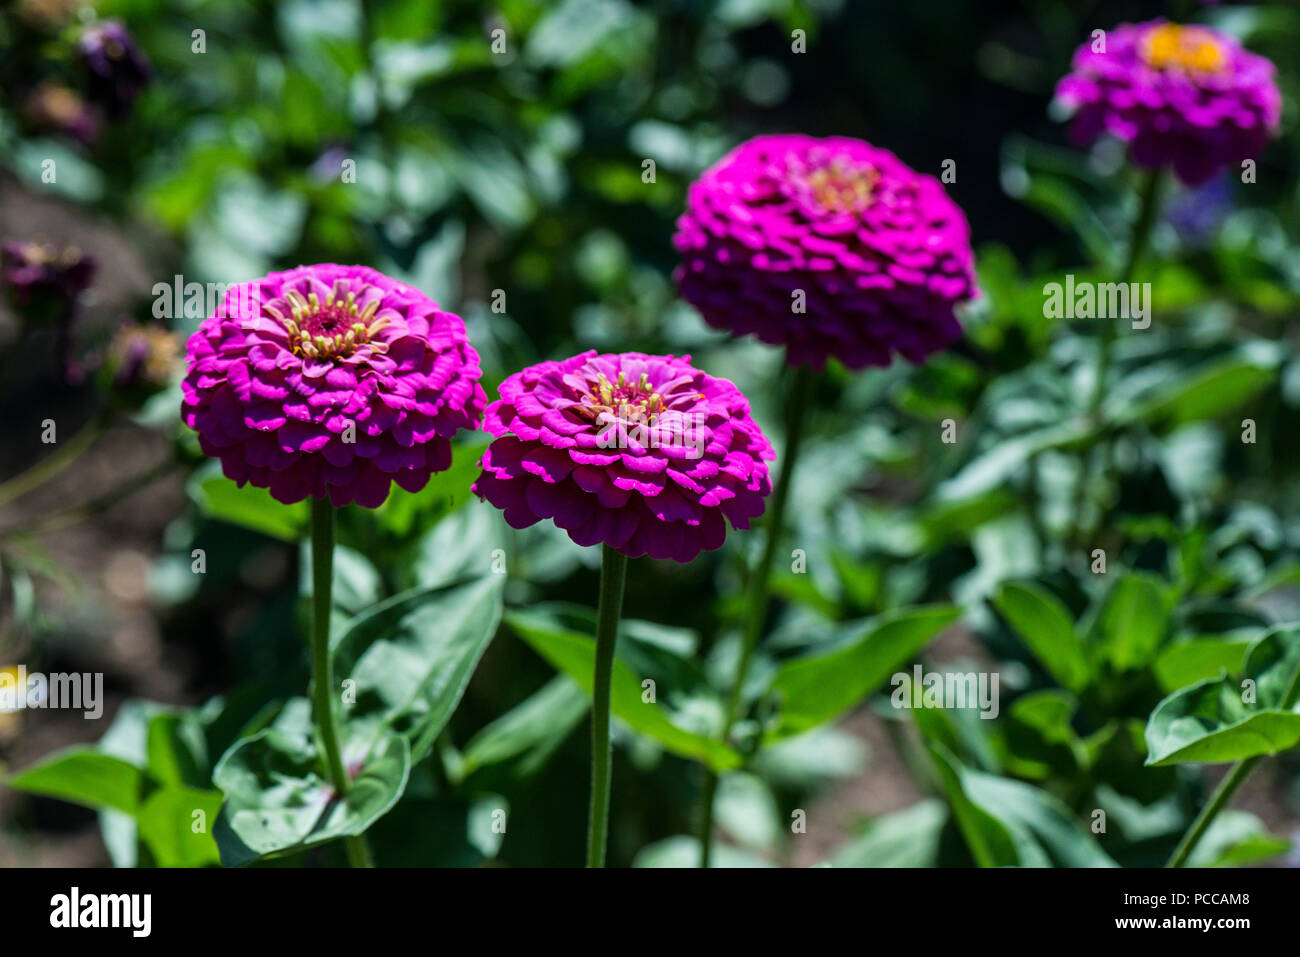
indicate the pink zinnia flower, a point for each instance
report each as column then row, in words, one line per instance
column 1186, row 96
column 646, row 454
column 331, row 380
column 830, row 247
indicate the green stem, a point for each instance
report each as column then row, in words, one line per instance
column 1222, row 794
column 325, row 712
column 613, row 575
column 71, row 515
column 1150, row 204
column 758, row 594
column 50, row 466
column 1227, row 787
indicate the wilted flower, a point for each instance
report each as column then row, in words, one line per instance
column 140, row 360
column 44, row 280
column 643, row 453
column 1186, row 96
column 830, row 247
column 54, row 106
column 117, row 67
column 331, row 380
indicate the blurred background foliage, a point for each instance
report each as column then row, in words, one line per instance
column 516, row 177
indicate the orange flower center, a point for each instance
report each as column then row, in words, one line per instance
column 1192, row 49
column 841, row 187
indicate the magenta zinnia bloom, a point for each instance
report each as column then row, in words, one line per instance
column 1186, row 96
column 646, row 454
column 830, row 247
column 331, row 380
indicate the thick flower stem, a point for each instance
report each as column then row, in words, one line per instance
column 54, row 463
column 1227, row 787
column 613, row 575
column 325, row 713
column 758, row 594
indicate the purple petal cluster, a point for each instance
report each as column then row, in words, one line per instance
column 44, row 279
column 646, row 454
column 830, row 247
column 331, row 381
column 1189, row 97
column 116, row 67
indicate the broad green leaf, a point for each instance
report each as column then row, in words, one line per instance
column 906, row 838
column 1205, row 392
column 1235, row 838
column 250, row 507
column 1040, row 737
column 1045, row 626
column 574, row 654
column 747, row 810
column 990, row 842
column 277, row 799
column 818, row 688
column 403, row 512
column 531, row 730
column 86, row 777
column 1033, row 828
column 177, row 752
column 176, row 824
column 1215, row 721
column 1199, row 658
column 412, row 656
column 1133, row 620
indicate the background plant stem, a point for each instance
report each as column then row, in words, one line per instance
column 326, row 714
column 54, row 463
column 757, row 593
column 1227, row 787
column 613, row 575
column 1149, row 205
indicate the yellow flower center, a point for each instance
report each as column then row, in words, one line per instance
column 1193, row 49
column 329, row 329
column 841, row 187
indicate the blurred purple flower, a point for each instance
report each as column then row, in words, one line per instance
column 43, row 281
column 1186, row 96
column 1196, row 213
column 118, row 69
column 140, row 360
column 57, row 107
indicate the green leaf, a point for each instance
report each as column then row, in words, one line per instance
column 1205, row 392
column 1196, row 659
column 1133, row 620
column 531, row 730
column 906, row 838
column 412, row 656
column 1008, row 822
column 683, row 851
column 86, row 777
column 250, row 507
column 1045, row 625
column 818, row 688
column 277, row 799
column 167, row 824
column 574, row 654
column 1235, row 838
column 1212, row 722
column 403, row 512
